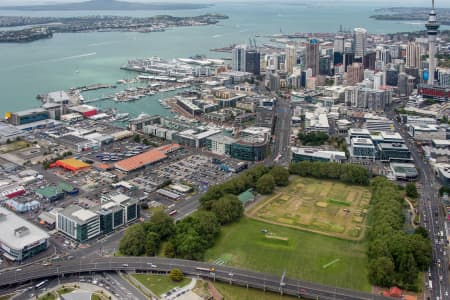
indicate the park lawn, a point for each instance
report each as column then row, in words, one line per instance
column 328, row 207
column 307, row 256
column 48, row 296
column 65, row 290
column 233, row 292
column 159, row 284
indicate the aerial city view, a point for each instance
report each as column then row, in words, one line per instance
column 234, row 150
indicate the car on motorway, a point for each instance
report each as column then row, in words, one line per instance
column 18, row 270
column 124, row 265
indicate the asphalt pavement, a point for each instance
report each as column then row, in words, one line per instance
column 235, row 276
column 432, row 217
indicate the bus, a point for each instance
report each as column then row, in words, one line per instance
column 41, row 284
column 173, row 212
column 205, row 269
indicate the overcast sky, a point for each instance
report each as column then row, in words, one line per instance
column 393, row 2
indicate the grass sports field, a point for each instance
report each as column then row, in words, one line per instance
column 159, row 284
column 322, row 206
column 232, row 292
column 305, row 255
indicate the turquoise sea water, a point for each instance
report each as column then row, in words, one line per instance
column 74, row 59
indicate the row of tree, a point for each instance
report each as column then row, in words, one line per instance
column 395, row 256
column 261, row 178
column 313, row 138
column 192, row 236
column 348, row 173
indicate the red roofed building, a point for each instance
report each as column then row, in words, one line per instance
column 169, row 148
column 140, row 161
column 393, row 292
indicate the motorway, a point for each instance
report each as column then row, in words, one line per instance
column 431, row 217
column 229, row 275
column 280, row 150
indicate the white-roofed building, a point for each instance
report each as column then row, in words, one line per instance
column 315, row 154
column 78, row 223
column 20, row 239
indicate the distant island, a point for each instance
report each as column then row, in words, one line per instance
column 411, row 14
column 108, row 5
column 44, row 27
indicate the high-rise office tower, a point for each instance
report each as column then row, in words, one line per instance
column 291, row 58
column 432, row 27
column 312, row 56
column 413, row 55
column 238, row 61
column 359, row 42
column 355, row 73
column 246, row 59
column 252, row 61
column 339, row 44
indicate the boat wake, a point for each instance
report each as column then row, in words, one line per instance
column 53, row 60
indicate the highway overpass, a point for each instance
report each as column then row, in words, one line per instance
column 229, row 275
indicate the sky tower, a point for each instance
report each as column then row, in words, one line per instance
column 432, row 29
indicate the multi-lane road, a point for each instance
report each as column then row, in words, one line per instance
column 266, row 282
column 282, row 133
column 431, row 218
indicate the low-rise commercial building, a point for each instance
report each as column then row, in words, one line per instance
column 20, row 239
column 404, row 171
column 195, row 138
column 443, row 172
column 220, row 144
column 27, row 116
column 250, row 149
column 393, row 152
column 362, row 148
column 314, row 154
column 78, row 223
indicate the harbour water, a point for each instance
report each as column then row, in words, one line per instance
column 76, row 59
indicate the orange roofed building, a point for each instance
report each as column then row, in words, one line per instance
column 71, row 164
column 145, row 159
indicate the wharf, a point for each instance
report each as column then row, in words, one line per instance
column 93, row 87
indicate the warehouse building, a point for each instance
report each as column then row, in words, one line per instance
column 20, row 239
column 140, row 161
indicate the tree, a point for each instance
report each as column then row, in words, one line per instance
column 189, row 245
column 152, row 243
column 137, row 138
column 381, row 271
column 265, row 185
column 162, row 224
column 408, row 269
column 421, row 231
column 411, row 190
column 207, row 225
column 227, row 209
column 280, row 175
column 176, row 275
column 313, row 138
column 169, row 250
column 132, row 243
